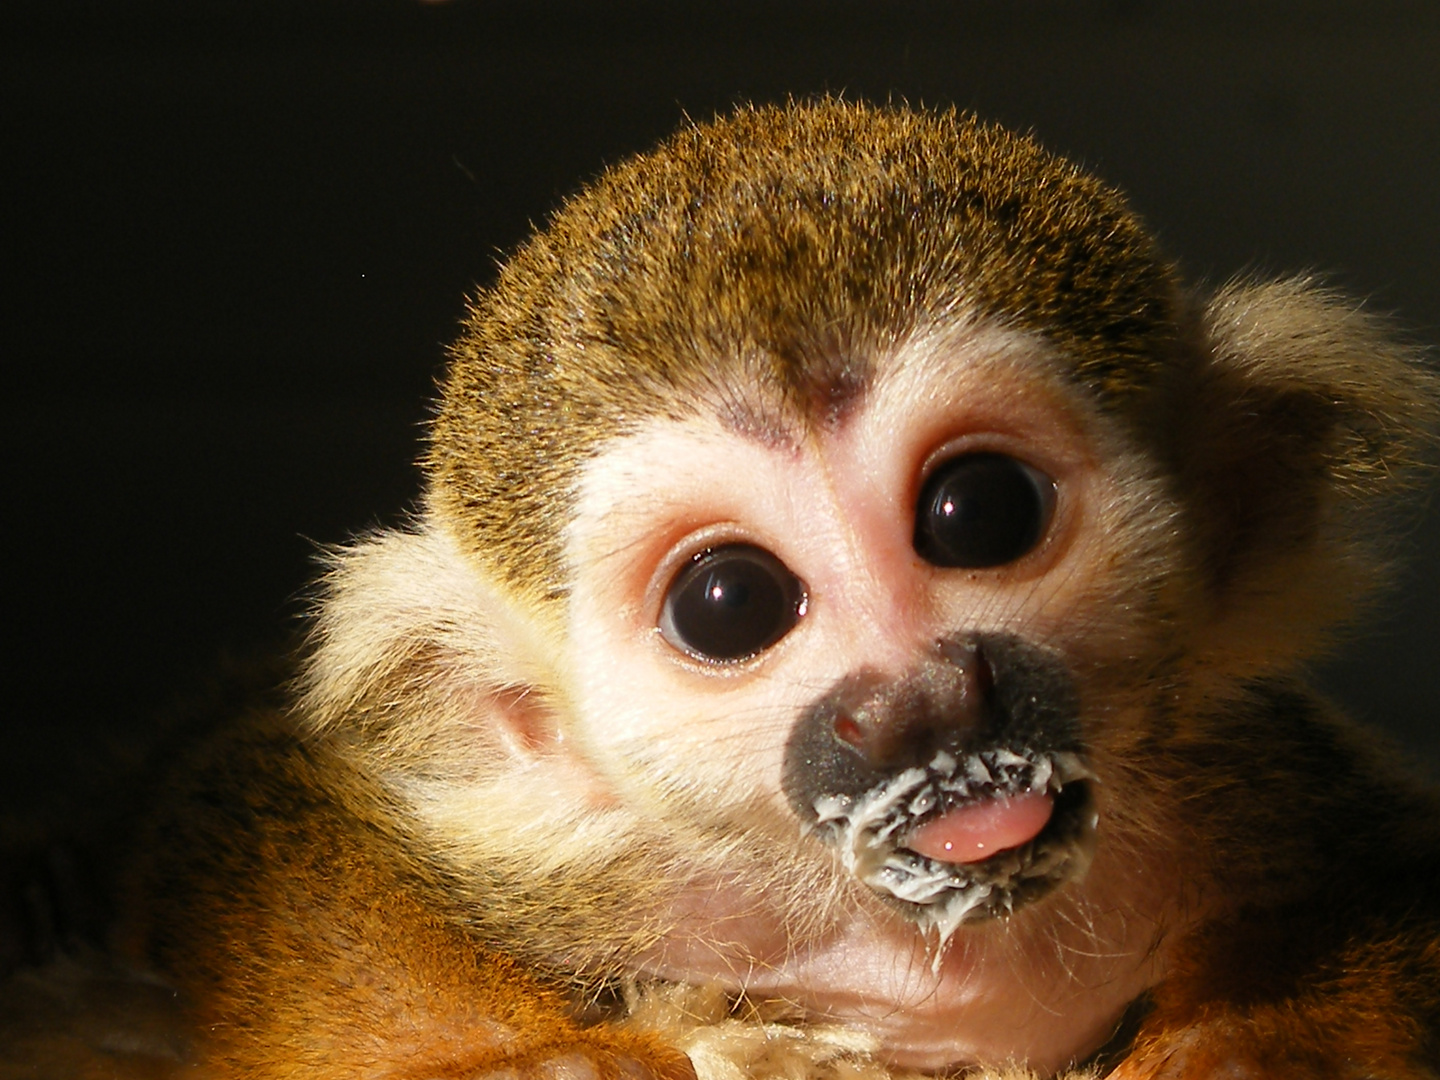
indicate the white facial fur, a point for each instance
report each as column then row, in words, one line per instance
column 838, row 510
column 666, row 731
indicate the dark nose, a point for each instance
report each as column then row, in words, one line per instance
column 892, row 724
column 869, row 727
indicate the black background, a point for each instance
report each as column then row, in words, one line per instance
column 237, row 235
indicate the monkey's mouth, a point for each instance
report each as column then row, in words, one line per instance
column 994, row 829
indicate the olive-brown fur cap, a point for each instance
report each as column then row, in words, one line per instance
column 780, row 247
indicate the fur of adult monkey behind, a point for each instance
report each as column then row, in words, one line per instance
column 853, row 571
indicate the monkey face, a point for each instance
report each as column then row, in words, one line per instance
column 894, row 637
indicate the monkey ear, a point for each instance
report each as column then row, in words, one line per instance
column 419, row 661
column 1305, row 417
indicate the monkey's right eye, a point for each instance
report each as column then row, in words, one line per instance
column 980, row 510
column 731, row 603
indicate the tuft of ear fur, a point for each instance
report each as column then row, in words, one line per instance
column 1301, row 420
column 415, row 657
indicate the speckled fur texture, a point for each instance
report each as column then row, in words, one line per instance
column 767, row 247
column 363, row 882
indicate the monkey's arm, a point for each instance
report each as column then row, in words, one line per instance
column 275, row 893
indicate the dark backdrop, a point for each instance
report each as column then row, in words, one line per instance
column 236, row 235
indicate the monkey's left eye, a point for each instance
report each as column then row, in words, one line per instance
column 731, row 603
column 980, row 510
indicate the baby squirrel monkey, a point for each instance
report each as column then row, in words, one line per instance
column 853, row 571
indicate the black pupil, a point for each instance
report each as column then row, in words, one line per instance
column 731, row 603
column 981, row 510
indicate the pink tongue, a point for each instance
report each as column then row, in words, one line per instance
column 972, row 833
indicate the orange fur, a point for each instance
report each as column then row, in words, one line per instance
column 291, row 898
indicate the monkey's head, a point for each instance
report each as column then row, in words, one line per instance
column 843, row 503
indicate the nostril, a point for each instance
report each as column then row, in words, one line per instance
column 848, row 731
column 868, row 729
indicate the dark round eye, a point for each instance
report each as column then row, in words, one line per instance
column 980, row 510
column 730, row 603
